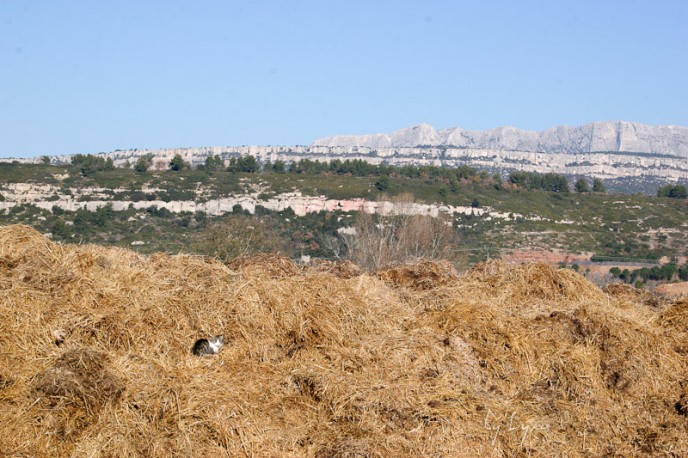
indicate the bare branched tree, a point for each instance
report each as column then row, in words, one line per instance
column 401, row 237
column 334, row 243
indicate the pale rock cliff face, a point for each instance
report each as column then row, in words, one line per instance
column 608, row 150
column 372, row 141
column 615, row 136
column 27, row 193
column 409, row 137
column 607, row 165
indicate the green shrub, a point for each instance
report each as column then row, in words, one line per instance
column 677, row 191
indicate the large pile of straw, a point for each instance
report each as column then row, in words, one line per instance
column 504, row 361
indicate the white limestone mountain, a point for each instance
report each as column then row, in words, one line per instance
column 632, row 153
column 606, row 136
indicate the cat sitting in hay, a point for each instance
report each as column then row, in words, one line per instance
column 208, row 346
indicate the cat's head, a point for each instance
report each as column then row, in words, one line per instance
column 216, row 343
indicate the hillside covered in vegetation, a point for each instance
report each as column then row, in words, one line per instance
column 498, row 214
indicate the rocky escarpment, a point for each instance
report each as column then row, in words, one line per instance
column 607, row 150
column 608, row 136
column 605, row 165
column 49, row 197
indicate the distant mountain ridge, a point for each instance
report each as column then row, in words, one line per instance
column 607, row 136
column 637, row 156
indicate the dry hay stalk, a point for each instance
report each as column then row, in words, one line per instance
column 627, row 294
column 421, row 275
column 501, row 362
column 623, row 290
column 341, row 269
column 266, row 264
column 533, row 282
column 527, row 289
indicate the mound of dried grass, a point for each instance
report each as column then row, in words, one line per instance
column 267, row 264
column 675, row 320
column 672, row 290
column 622, row 289
column 74, row 389
column 421, row 275
column 341, row 269
column 533, row 282
column 626, row 296
column 627, row 292
column 510, row 361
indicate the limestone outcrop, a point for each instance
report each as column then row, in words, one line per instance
column 47, row 197
column 607, row 150
column 606, row 136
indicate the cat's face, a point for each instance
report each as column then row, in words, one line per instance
column 216, row 342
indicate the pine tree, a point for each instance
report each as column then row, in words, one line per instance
column 177, row 163
column 598, row 186
column 582, row 185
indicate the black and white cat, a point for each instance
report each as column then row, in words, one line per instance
column 208, row 346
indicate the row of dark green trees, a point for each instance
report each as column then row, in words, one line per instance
column 360, row 168
column 88, row 164
column 553, row 182
column 666, row 272
column 673, row 191
column 352, row 167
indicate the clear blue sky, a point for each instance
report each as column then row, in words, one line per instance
column 92, row 76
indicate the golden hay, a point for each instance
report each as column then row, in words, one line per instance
column 675, row 320
column 532, row 282
column 625, row 296
column 341, row 269
column 424, row 274
column 267, row 264
column 504, row 361
column 623, row 292
column 672, row 290
column 676, row 315
column 622, row 289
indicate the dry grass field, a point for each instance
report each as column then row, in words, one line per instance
column 95, row 359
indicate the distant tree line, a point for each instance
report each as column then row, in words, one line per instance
column 351, row 167
column 88, row 164
column 676, row 191
column 246, row 164
column 666, row 272
column 361, row 168
column 582, row 185
column 629, row 247
column 546, row 182
column 552, row 182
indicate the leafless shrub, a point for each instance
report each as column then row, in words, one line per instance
column 401, row 237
